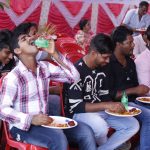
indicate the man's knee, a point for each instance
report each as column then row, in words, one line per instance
column 58, row 142
column 134, row 125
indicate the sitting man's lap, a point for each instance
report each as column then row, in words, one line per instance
column 41, row 136
column 55, row 139
column 100, row 122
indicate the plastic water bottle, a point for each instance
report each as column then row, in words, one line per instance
column 124, row 100
column 41, row 43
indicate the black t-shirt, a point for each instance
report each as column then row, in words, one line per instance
column 123, row 77
column 93, row 87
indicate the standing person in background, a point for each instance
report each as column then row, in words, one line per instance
column 137, row 18
column 84, row 35
column 142, row 42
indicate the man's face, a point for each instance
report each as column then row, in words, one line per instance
column 127, row 46
column 87, row 27
column 26, row 44
column 102, row 59
column 143, row 10
column 5, row 56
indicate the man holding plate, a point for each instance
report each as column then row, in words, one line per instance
column 24, row 97
column 124, row 78
column 87, row 100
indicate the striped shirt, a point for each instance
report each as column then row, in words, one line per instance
column 25, row 93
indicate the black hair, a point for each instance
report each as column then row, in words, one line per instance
column 82, row 23
column 120, row 34
column 25, row 27
column 102, row 43
column 147, row 33
column 15, row 39
column 144, row 3
column 5, row 38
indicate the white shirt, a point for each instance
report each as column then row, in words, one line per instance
column 132, row 19
column 140, row 45
column 143, row 68
column 24, row 93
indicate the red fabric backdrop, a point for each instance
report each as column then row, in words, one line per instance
column 104, row 22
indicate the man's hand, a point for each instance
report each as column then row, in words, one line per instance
column 116, row 107
column 51, row 49
column 141, row 90
column 41, row 119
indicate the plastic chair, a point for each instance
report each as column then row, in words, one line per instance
column 61, row 35
column 67, row 45
column 73, row 57
column 72, row 48
column 10, row 143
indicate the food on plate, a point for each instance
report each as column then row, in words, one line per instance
column 58, row 124
column 62, row 125
column 132, row 111
column 144, row 99
column 71, row 123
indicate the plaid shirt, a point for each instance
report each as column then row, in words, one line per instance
column 24, row 93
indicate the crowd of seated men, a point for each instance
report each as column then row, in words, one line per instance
column 95, row 83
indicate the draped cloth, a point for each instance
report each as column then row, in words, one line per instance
column 66, row 14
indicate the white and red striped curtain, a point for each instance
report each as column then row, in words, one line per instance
column 66, row 14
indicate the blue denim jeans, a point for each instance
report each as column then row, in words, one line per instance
column 125, row 128
column 54, row 105
column 144, row 119
column 143, row 104
column 55, row 139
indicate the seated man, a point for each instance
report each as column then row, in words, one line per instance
column 84, row 100
column 54, row 106
column 141, row 42
column 124, row 77
column 7, row 61
column 143, row 63
column 24, row 96
column 6, row 57
column 138, row 18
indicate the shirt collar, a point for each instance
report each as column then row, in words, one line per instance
column 138, row 14
column 23, row 68
column 114, row 59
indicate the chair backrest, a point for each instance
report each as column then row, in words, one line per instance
column 68, row 45
column 72, row 48
column 74, row 57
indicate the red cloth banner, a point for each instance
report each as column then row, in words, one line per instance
column 66, row 14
